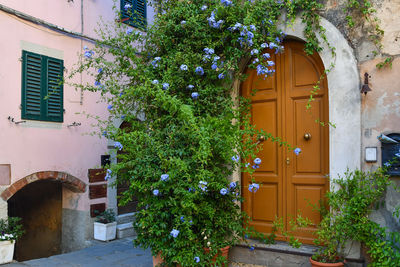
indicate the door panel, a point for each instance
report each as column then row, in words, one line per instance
column 289, row 183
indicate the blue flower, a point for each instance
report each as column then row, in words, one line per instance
column 221, row 76
column 214, row 66
column 89, row 54
column 97, row 83
column 264, row 45
column 255, row 60
column 272, row 45
column 183, row 22
column 104, row 133
column 155, row 62
column 397, row 155
column 199, row 70
column 257, row 161
column 110, row 107
column 195, row 95
column 208, row 51
column 184, row 67
column 127, row 6
column 100, row 70
column 156, row 192
column 192, row 190
column 85, row 47
column 129, row 31
column 155, row 82
column 216, row 58
column 164, row 177
column 223, row 191
column 108, row 174
column 197, row 259
column 387, row 164
column 270, row 63
column 203, row 186
column 254, row 187
column 165, row 86
column 174, row 233
column 266, row 56
column 235, row 158
column 255, row 166
column 297, row 151
column 254, row 52
column 203, row 7
column 121, row 94
column 226, row 2
column 252, row 28
column 190, row 87
column 250, row 35
column 118, row 145
column 123, row 117
column 182, row 218
column 232, row 185
column 251, row 248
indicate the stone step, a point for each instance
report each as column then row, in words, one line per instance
column 277, row 255
column 125, row 230
column 125, row 218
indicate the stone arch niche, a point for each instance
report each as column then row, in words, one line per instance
column 38, row 199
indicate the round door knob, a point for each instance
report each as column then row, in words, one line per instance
column 261, row 138
column 307, row 136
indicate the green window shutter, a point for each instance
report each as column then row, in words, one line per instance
column 54, row 97
column 137, row 16
column 31, row 85
column 42, row 89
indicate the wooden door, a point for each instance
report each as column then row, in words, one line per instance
column 289, row 183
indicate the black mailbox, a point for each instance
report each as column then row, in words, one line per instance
column 389, row 152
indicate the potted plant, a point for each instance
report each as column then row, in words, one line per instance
column 11, row 229
column 105, row 226
column 351, row 200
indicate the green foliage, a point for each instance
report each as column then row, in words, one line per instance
column 386, row 63
column 149, row 80
column 352, row 198
column 107, row 216
column 11, row 228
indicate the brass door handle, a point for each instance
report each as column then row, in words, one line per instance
column 307, row 136
column 287, row 161
column 261, row 138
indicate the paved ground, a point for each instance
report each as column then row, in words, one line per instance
column 118, row 253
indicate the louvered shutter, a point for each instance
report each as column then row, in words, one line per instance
column 137, row 15
column 42, row 89
column 140, row 8
column 54, row 99
column 31, row 85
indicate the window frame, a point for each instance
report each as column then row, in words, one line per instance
column 45, row 90
column 129, row 20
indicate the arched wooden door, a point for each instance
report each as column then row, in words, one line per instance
column 289, row 183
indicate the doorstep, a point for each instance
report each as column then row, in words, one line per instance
column 280, row 254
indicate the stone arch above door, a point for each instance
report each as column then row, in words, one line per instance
column 344, row 97
column 69, row 181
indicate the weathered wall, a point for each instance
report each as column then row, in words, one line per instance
column 380, row 108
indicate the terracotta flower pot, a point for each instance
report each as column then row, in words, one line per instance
column 321, row 264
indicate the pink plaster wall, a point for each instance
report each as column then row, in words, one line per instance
column 43, row 146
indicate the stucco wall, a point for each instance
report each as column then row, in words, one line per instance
column 35, row 146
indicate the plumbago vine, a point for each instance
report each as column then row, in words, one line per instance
column 187, row 131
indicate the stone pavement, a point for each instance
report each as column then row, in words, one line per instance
column 117, row 253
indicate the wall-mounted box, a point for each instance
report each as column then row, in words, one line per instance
column 389, row 152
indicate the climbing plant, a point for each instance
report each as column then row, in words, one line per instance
column 187, row 130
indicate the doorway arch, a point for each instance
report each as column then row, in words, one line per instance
column 38, row 200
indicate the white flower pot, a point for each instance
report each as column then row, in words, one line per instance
column 105, row 232
column 6, row 251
